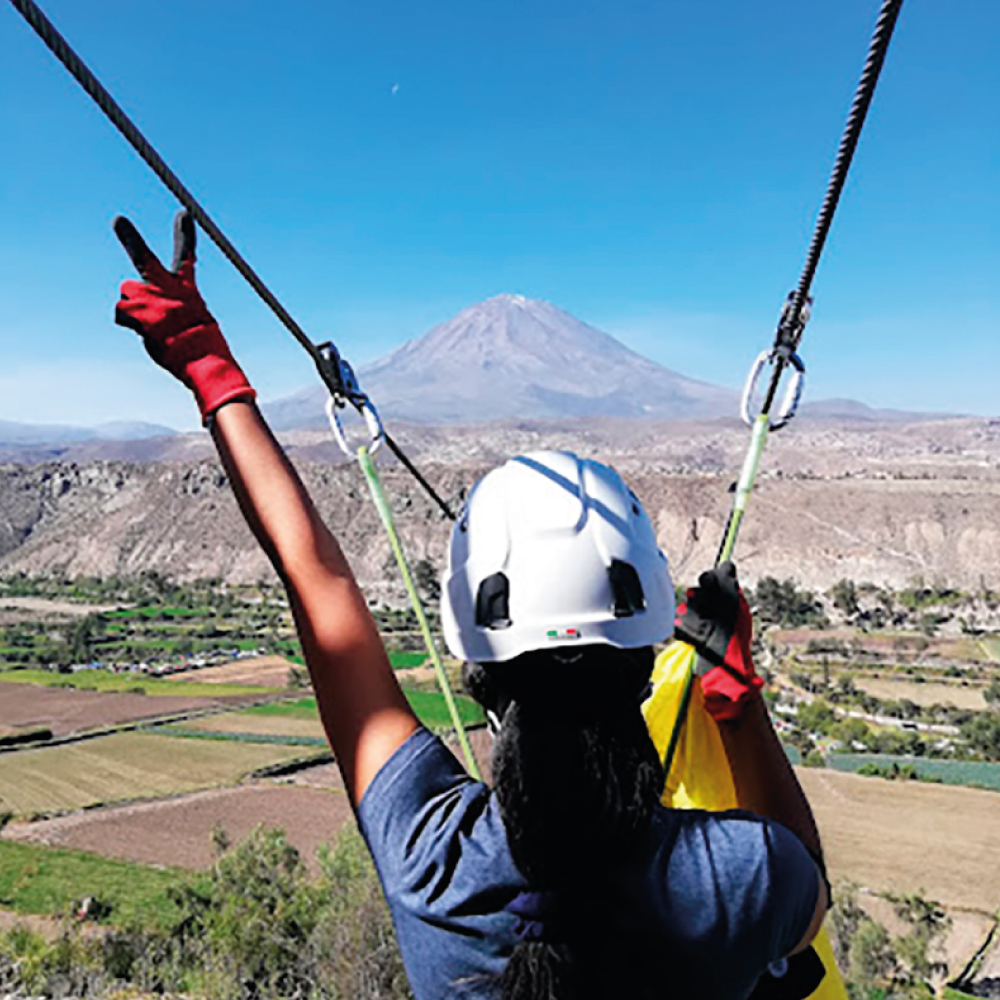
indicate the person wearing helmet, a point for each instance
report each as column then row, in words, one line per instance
column 567, row 879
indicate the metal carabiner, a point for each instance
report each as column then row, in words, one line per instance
column 340, row 380
column 373, row 422
column 793, row 393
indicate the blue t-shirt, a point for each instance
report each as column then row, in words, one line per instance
column 723, row 894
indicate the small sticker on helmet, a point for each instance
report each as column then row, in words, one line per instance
column 563, row 633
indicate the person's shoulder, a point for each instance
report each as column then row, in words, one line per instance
column 421, row 767
column 420, row 756
column 735, row 834
column 693, row 853
column 421, row 795
column 752, row 865
column 435, row 834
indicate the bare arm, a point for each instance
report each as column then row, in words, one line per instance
column 766, row 785
column 364, row 712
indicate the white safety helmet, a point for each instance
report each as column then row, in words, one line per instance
column 551, row 551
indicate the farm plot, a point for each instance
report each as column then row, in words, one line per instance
column 925, row 695
column 971, row 773
column 65, row 711
column 45, row 882
column 262, row 671
column 178, row 832
column 328, row 775
column 126, row 766
column 299, row 719
column 109, row 681
column 46, row 606
column 429, row 707
column 239, row 723
column 907, row 836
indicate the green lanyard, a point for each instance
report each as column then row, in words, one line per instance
column 385, row 512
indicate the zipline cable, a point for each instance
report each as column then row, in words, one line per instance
column 845, row 154
column 335, row 373
column 795, row 314
column 330, row 374
column 791, row 326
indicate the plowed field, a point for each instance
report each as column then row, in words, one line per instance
column 178, row 831
column 265, row 671
column 927, row 694
column 908, row 836
column 24, row 706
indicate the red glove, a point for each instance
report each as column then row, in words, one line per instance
column 716, row 620
column 179, row 332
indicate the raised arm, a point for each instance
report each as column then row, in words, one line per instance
column 716, row 620
column 364, row 712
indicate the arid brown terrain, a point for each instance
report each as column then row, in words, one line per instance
column 872, row 501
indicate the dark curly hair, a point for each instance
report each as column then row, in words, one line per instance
column 577, row 778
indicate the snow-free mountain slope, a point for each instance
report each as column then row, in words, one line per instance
column 511, row 357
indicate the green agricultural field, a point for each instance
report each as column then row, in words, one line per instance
column 429, row 705
column 44, row 881
column 235, row 736
column 971, row 773
column 401, row 660
column 126, row 766
column 159, row 612
column 432, row 710
column 303, row 708
column 255, row 725
column 105, row 680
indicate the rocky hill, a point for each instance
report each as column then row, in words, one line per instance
column 846, row 491
column 879, row 503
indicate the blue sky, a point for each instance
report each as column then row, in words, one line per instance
column 653, row 167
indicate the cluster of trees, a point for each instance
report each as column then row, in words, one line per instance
column 843, row 692
column 868, row 607
column 168, row 620
column 897, row 772
column 257, row 927
column 819, row 716
column 780, row 602
column 878, row 966
column 982, row 733
column 979, row 732
column 146, row 589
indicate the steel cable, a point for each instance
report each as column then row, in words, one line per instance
column 842, row 165
column 61, row 49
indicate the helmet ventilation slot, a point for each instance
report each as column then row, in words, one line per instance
column 626, row 587
column 493, row 602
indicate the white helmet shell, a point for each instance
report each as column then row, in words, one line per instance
column 551, row 551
